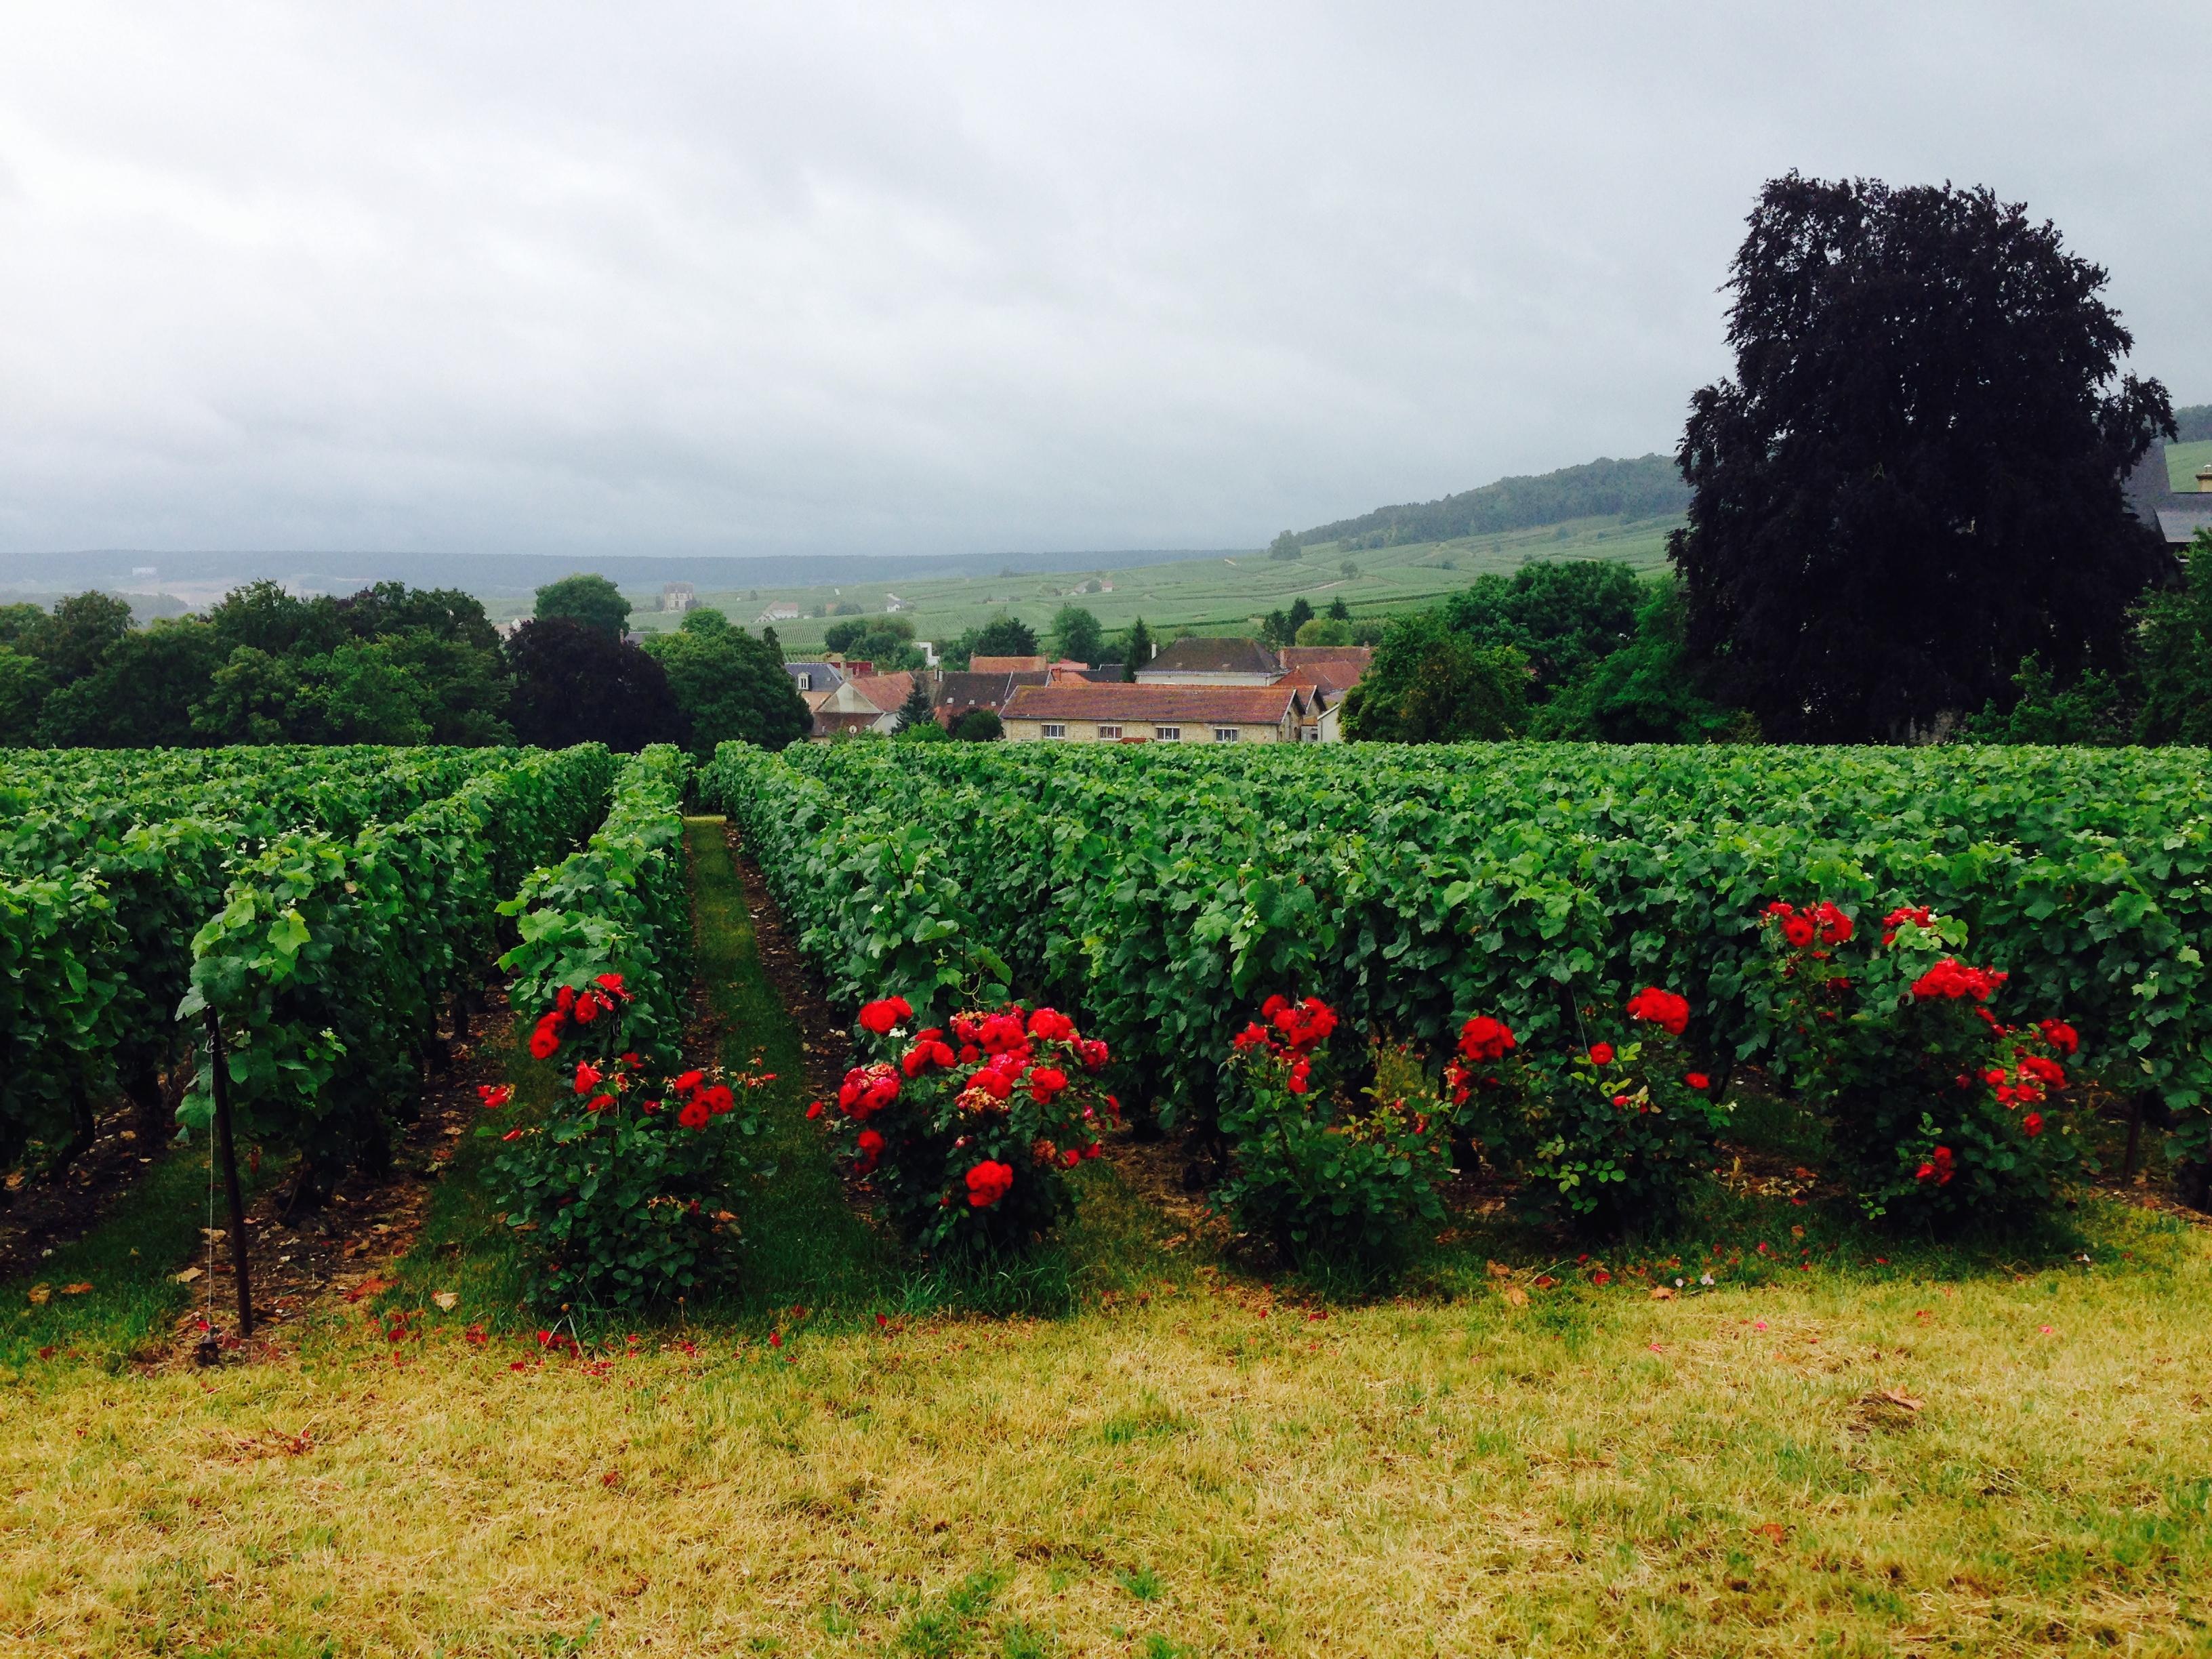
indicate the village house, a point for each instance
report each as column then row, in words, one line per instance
column 814, row 677
column 958, row 694
column 1007, row 665
column 776, row 613
column 1208, row 661
column 1123, row 713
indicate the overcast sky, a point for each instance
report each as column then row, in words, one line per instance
column 732, row 279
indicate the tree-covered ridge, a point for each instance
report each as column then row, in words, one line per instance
column 1645, row 488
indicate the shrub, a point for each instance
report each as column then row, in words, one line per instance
column 1324, row 1164
column 969, row 1134
column 618, row 1183
column 1609, row 1139
column 1936, row 1109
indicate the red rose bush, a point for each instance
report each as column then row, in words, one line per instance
column 970, row 1131
column 1325, row 1159
column 1609, row 1137
column 1936, row 1108
column 615, row 1183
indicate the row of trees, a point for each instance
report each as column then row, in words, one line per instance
column 387, row 665
column 1576, row 650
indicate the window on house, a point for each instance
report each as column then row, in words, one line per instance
column 1227, row 733
column 1109, row 733
column 1167, row 733
column 806, row 682
column 1055, row 730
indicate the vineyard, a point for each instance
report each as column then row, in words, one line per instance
column 325, row 907
column 698, row 1342
column 1165, row 892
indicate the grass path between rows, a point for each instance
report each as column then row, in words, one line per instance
column 1942, row 1453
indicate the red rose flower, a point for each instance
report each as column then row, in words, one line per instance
column 695, row 1114
column 1045, row 1082
column 1483, row 1039
column 586, row 1009
column 2060, row 1036
column 1050, row 1025
column 496, row 1095
column 987, row 1183
column 2033, row 1123
column 1698, row 1081
column 545, row 1041
column 716, row 1098
column 687, row 1081
column 1600, row 1053
column 1798, row 930
column 611, row 983
column 880, row 1017
column 586, row 1075
column 872, row 1147
column 813, row 1110
column 1661, row 1008
column 600, row 1103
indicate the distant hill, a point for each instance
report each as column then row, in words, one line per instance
column 1646, row 488
column 2192, row 425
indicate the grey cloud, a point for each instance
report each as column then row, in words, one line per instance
column 844, row 278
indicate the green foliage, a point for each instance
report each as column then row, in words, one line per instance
column 1609, row 1137
column 23, row 689
column 1284, row 546
column 77, row 637
column 1338, row 610
column 1159, row 887
column 1431, row 683
column 1646, row 691
column 1324, row 630
column 1139, row 651
column 729, row 685
column 914, row 711
column 1076, row 635
column 2175, row 656
column 616, row 1184
column 1564, row 616
column 333, row 956
column 140, row 693
column 1331, row 1167
column 592, row 600
column 886, row 642
column 1003, row 636
column 979, row 725
column 2093, row 709
column 1300, row 613
column 1937, row 1113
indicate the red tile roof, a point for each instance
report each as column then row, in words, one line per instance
column 1006, row 665
column 1199, row 705
column 886, row 691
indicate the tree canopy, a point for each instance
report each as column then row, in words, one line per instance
column 727, row 685
column 592, row 600
column 1914, row 479
column 1431, row 683
column 1077, row 634
column 575, row 683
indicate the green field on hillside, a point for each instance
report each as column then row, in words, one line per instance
column 1223, row 595
column 2182, row 461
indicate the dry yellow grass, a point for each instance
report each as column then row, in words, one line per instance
column 1594, row 1470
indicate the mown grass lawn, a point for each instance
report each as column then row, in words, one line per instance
column 1203, row 1471
column 1997, row 1449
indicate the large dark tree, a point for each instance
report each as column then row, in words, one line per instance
column 1565, row 615
column 1914, row 480
column 577, row 684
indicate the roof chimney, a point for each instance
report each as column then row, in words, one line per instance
column 2204, row 480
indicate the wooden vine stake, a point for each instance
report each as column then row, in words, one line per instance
column 226, row 1148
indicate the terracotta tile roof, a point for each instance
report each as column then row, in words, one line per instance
column 886, row 691
column 1353, row 657
column 1006, row 665
column 1199, row 705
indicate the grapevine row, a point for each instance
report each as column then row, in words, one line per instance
column 1164, row 891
